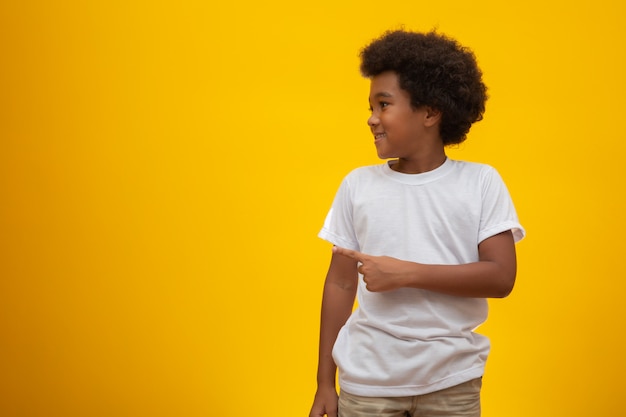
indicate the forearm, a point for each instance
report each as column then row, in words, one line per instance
column 493, row 276
column 484, row 279
column 337, row 303
column 337, row 306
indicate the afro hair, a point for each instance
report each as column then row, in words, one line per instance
column 437, row 72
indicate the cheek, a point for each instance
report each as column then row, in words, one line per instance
column 389, row 121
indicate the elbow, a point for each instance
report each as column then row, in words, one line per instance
column 504, row 287
column 503, row 293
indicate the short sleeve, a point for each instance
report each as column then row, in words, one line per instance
column 338, row 226
column 498, row 212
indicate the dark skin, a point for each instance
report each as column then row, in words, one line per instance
column 412, row 136
column 337, row 303
column 492, row 276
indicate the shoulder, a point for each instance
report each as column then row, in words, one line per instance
column 363, row 179
column 471, row 166
column 364, row 172
column 474, row 169
column 367, row 169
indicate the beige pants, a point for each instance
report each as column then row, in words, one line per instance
column 459, row 401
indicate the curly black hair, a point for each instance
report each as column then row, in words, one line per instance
column 436, row 71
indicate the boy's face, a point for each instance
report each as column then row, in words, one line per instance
column 400, row 131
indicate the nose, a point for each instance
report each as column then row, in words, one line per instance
column 373, row 120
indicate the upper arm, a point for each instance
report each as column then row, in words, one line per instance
column 342, row 272
column 500, row 250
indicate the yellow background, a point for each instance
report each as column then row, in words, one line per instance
column 165, row 167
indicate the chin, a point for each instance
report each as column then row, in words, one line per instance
column 383, row 155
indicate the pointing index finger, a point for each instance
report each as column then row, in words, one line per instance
column 357, row 256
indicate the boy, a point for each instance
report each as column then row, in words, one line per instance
column 422, row 240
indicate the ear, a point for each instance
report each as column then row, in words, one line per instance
column 433, row 116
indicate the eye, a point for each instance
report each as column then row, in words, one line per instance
column 383, row 104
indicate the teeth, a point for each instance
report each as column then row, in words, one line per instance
column 379, row 136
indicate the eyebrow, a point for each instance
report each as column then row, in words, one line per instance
column 378, row 95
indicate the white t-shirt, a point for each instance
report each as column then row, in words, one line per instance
column 410, row 341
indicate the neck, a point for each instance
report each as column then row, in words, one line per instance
column 419, row 165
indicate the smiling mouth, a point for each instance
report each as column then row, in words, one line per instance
column 379, row 136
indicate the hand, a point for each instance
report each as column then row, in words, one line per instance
column 380, row 273
column 325, row 403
